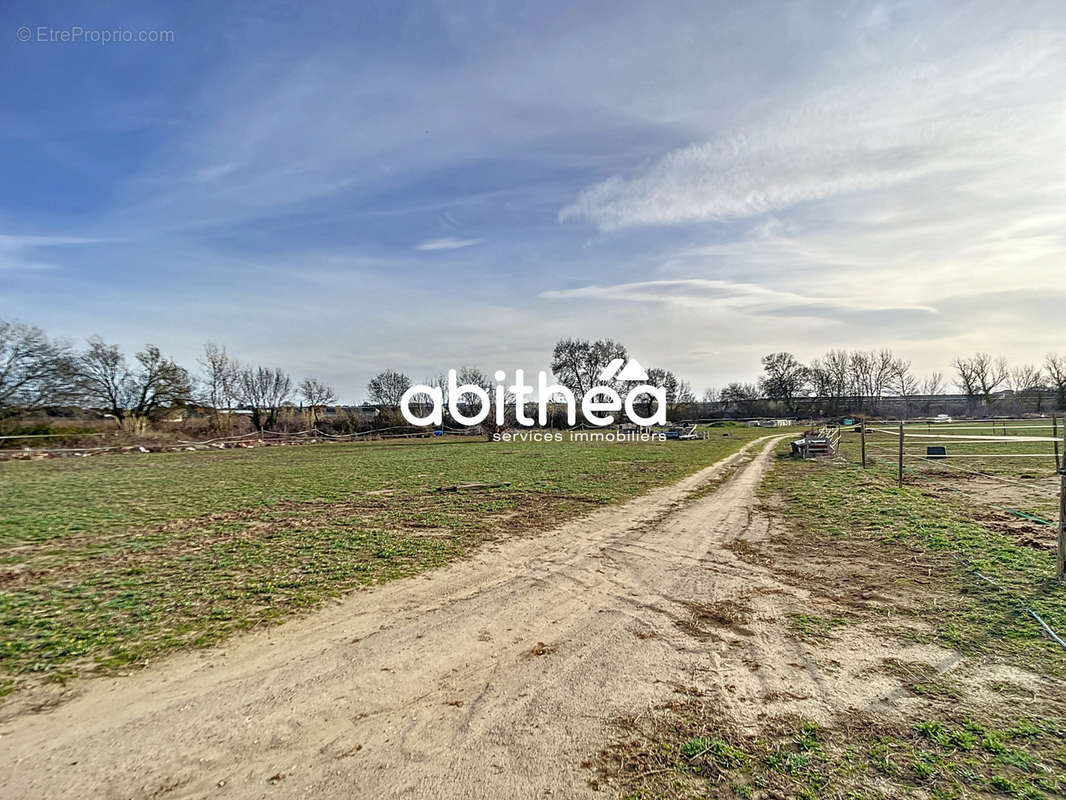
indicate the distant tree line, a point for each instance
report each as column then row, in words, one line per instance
column 839, row 382
column 38, row 372
column 860, row 381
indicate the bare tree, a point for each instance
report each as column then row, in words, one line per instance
column 742, row 396
column 316, row 395
column 500, row 418
column 980, row 376
column 678, row 391
column 35, row 371
column 102, row 375
column 158, row 382
column 991, row 374
column 870, row 376
column 710, row 395
column 900, row 380
column 577, row 363
column 264, row 391
column 438, row 382
column 683, row 399
column 1027, row 383
column 902, row 383
column 784, row 379
column 884, row 362
column 966, row 380
column 132, row 396
column 861, row 378
column 934, row 384
column 219, row 384
column 463, row 376
column 473, row 376
column 386, row 388
column 1056, row 371
column 829, row 379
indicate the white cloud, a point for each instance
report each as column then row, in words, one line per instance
column 973, row 120
column 15, row 250
column 707, row 294
column 447, row 243
column 208, row 174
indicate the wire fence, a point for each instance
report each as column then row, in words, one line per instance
column 1026, row 466
column 1010, row 470
column 252, row 439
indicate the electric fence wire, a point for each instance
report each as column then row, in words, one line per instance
column 969, row 566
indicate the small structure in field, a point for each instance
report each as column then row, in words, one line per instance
column 824, row 442
column 685, row 433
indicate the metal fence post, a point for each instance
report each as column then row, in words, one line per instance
column 1062, row 514
column 1055, row 433
column 863, row 431
column 901, row 453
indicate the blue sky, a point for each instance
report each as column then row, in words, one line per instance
column 336, row 188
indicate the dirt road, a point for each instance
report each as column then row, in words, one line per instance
column 494, row 677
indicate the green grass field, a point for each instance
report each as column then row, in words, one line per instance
column 113, row 560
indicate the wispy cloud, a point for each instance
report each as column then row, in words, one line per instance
column 213, row 173
column 967, row 119
column 447, row 243
column 16, row 251
column 702, row 293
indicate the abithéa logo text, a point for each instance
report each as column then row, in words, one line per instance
column 599, row 404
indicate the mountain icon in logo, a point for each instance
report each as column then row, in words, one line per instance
column 632, row 371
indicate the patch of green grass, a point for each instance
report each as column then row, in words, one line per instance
column 853, row 757
column 113, row 560
column 812, row 627
column 922, row 679
column 838, row 502
column 722, row 753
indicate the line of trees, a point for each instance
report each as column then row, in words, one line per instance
column 858, row 381
column 263, row 391
column 38, row 371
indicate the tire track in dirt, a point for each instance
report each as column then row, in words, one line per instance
column 493, row 677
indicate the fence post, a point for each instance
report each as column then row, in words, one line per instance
column 1055, row 433
column 901, row 453
column 863, row 432
column 1062, row 514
